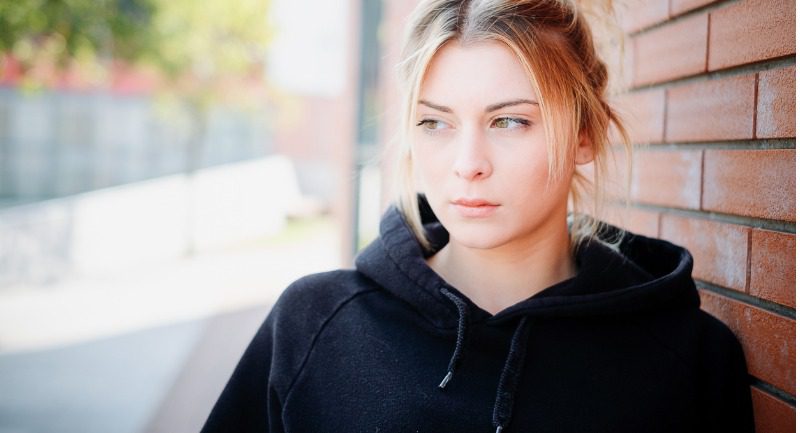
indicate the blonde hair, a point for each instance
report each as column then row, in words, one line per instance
column 554, row 43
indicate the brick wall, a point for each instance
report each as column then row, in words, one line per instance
column 712, row 95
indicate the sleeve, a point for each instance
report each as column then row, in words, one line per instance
column 728, row 406
column 249, row 402
column 256, row 396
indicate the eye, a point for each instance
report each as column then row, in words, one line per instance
column 510, row 123
column 432, row 125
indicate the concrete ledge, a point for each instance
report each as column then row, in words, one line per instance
column 114, row 229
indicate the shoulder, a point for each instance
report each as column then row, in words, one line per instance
column 719, row 344
column 309, row 303
column 720, row 374
column 694, row 335
column 322, row 293
column 299, row 315
column 714, row 329
column 713, row 334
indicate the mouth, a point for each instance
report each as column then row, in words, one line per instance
column 474, row 207
column 473, row 202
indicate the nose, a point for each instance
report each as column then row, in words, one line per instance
column 472, row 161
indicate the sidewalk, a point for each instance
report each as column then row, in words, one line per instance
column 208, row 366
column 148, row 350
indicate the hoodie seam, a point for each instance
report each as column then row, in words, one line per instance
column 314, row 340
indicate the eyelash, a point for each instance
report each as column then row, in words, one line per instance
column 424, row 121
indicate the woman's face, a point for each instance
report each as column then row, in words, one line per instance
column 480, row 150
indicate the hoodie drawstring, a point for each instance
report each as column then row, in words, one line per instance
column 509, row 379
column 512, row 370
column 462, row 330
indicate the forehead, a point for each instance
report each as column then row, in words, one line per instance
column 482, row 72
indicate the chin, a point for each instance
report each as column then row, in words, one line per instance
column 472, row 236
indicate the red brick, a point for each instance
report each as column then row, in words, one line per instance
column 771, row 414
column 772, row 266
column 635, row 220
column 671, row 51
column 719, row 249
column 628, row 63
column 643, row 222
column 643, row 114
column 776, row 103
column 639, row 14
column 615, row 182
column 677, row 7
column 749, row 31
column 712, row 110
column 667, row 178
column 756, row 183
column 767, row 338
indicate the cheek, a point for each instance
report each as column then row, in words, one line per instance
column 430, row 164
column 529, row 168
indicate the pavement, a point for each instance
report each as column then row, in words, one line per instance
column 148, row 350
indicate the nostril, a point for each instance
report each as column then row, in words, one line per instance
column 472, row 159
column 472, row 171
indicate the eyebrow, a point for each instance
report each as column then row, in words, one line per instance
column 495, row 107
column 489, row 109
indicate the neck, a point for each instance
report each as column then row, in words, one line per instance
column 497, row 278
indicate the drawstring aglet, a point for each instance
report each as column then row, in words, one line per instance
column 499, row 429
column 446, row 379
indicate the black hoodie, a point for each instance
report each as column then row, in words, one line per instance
column 391, row 347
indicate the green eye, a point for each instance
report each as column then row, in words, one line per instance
column 431, row 124
column 509, row 122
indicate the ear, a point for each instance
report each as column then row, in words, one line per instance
column 584, row 154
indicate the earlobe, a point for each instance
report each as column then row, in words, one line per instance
column 583, row 154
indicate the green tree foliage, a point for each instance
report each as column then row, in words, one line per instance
column 199, row 41
column 212, row 38
column 200, row 51
column 63, row 30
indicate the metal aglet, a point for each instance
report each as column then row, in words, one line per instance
column 499, row 429
column 446, row 379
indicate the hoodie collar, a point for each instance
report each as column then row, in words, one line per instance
column 645, row 274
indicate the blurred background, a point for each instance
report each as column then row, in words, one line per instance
column 167, row 168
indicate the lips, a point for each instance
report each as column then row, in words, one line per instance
column 473, row 202
column 474, row 207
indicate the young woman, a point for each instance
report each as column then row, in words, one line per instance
column 485, row 306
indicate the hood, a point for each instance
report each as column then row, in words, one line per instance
column 645, row 274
